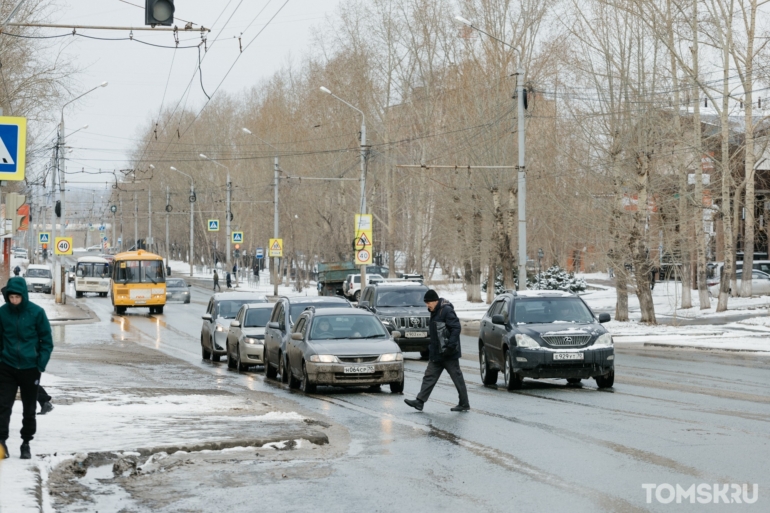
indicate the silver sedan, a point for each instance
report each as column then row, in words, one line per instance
column 246, row 337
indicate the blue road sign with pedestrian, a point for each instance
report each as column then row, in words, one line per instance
column 44, row 237
column 13, row 147
column 237, row 236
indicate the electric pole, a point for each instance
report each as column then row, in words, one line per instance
column 136, row 224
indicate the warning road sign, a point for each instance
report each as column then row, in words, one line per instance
column 213, row 225
column 13, row 148
column 237, row 236
column 363, row 242
column 364, row 238
column 276, row 248
column 44, row 237
column 363, row 257
column 63, row 246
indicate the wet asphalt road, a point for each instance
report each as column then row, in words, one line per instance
column 674, row 416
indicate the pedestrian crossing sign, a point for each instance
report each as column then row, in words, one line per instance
column 276, row 248
column 44, row 237
column 213, row 225
column 13, row 147
column 237, row 237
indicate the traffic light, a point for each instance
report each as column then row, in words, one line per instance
column 57, row 208
column 13, row 203
column 159, row 12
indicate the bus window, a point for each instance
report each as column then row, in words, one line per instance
column 139, row 271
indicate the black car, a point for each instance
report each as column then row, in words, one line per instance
column 285, row 313
column 400, row 306
column 544, row 334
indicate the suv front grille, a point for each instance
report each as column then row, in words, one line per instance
column 411, row 322
column 566, row 340
column 357, row 359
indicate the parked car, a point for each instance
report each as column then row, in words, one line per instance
column 342, row 347
column 20, row 253
column 760, row 283
column 39, row 278
column 285, row 312
column 177, row 290
column 246, row 338
column 544, row 334
column 222, row 308
column 352, row 285
column 400, row 306
column 71, row 274
column 714, row 272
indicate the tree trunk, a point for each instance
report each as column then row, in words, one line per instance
column 749, row 157
column 727, row 226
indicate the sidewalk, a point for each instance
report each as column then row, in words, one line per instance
column 72, row 311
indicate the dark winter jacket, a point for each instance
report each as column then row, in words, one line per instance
column 25, row 333
column 445, row 312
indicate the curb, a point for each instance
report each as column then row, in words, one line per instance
column 704, row 348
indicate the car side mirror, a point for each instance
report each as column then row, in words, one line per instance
column 363, row 304
column 604, row 317
column 235, row 324
column 396, row 334
column 297, row 336
column 273, row 325
column 498, row 319
column 206, row 317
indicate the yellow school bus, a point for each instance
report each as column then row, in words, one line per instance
column 138, row 281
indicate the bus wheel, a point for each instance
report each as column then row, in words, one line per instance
column 78, row 294
column 159, row 309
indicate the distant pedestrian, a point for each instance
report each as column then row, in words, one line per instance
column 228, row 280
column 16, row 270
column 653, row 273
column 216, row 281
column 442, row 311
column 25, row 348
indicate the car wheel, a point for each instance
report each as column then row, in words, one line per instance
column 270, row 371
column 574, row 381
column 78, row 294
column 606, row 381
column 204, row 354
column 239, row 365
column 397, row 388
column 230, row 361
column 282, row 369
column 488, row 375
column 424, row 354
column 293, row 382
column 512, row 380
column 357, row 295
column 214, row 356
column 306, row 385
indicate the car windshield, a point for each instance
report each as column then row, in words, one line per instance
column 298, row 308
column 228, row 309
column 335, row 327
column 176, row 283
column 140, row 271
column 38, row 273
column 551, row 310
column 91, row 270
column 257, row 317
column 401, row 297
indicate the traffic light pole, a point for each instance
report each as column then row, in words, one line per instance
column 136, row 223
column 168, row 202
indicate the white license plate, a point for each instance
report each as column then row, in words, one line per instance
column 359, row 369
column 141, row 302
column 568, row 356
column 415, row 334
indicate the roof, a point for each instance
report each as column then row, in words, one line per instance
column 543, row 293
column 268, row 306
column 400, row 284
column 317, row 299
column 219, row 296
column 341, row 311
column 38, row 266
column 137, row 255
column 93, row 259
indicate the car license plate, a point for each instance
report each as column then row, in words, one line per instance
column 415, row 334
column 140, row 302
column 568, row 356
column 359, row 369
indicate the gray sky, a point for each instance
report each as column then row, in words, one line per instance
column 137, row 73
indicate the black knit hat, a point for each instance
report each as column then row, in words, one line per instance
column 430, row 296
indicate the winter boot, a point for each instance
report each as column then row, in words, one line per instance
column 45, row 408
column 460, row 407
column 414, row 403
column 26, row 454
column 3, row 451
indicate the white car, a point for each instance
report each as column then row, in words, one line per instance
column 352, row 285
column 39, row 278
column 760, row 283
column 94, row 248
column 246, row 338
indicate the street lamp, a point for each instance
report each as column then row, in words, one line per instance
column 192, row 203
column 522, row 178
column 363, row 165
column 276, row 169
column 61, row 297
column 228, row 213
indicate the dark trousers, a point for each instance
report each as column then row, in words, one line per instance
column 42, row 395
column 216, row 284
column 12, row 380
column 433, row 372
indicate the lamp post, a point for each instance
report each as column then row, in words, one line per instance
column 58, row 287
column 522, row 178
column 276, row 170
column 228, row 211
column 363, row 166
column 192, row 227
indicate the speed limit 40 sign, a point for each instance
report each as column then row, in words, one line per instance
column 63, row 246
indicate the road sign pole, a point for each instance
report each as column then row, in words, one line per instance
column 168, row 202
column 192, row 241
column 149, row 219
column 136, row 223
column 227, row 221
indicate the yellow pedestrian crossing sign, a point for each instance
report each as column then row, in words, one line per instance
column 237, row 237
column 44, row 237
column 13, row 147
column 213, row 225
column 275, row 248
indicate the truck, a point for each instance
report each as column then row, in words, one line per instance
column 331, row 276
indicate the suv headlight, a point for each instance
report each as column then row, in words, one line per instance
column 526, row 341
column 392, row 357
column 324, row 358
column 220, row 327
column 604, row 341
column 250, row 340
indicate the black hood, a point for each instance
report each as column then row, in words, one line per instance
column 403, row 311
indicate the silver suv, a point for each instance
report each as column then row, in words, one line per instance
column 222, row 309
